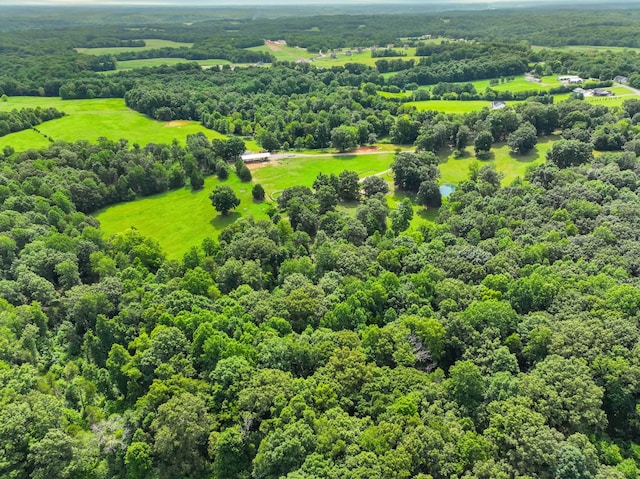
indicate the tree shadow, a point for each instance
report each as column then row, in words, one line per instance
column 222, row 221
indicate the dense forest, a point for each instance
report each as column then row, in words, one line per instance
column 335, row 337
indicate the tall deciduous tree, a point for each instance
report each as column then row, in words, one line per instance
column 224, row 199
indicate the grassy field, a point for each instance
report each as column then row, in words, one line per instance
column 180, row 219
column 284, row 53
column 155, row 62
column 451, row 106
column 364, row 58
column 454, row 170
column 150, row 45
column 91, row 119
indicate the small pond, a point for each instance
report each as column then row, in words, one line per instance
column 447, row 189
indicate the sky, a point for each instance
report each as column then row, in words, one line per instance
column 177, row 3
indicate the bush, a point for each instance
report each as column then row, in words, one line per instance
column 257, row 192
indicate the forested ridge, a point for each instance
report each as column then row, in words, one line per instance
column 336, row 336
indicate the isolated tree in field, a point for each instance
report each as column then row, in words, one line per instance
column 344, row 138
column 483, row 142
column 523, row 139
column 373, row 185
column 224, row 199
column 222, row 171
column 566, row 153
column 257, row 192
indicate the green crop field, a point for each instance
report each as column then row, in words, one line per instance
column 91, row 119
column 150, row 45
column 156, row 62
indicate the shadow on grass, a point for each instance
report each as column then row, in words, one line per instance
column 429, row 214
column 529, row 157
column 222, row 221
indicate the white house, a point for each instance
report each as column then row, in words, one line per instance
column 570, row 79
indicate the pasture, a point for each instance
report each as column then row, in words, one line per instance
column 91, row 119
column 181, row 219
column 451, row 106
column 284, row 53
column 156, row 62
column 454, row 170
column 151, row 43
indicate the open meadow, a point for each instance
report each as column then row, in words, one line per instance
column 181, row 219
column 451, row 106
column 91, row 119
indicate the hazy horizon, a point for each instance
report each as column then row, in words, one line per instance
column 200, row 3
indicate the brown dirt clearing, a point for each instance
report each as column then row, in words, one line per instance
column 175, row 123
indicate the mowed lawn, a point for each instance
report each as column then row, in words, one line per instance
column 303, row 170
column 91, row 119
column 150, row 45
column 181, row 218
column 284, row 53
column 454, row 170
column 452, row 106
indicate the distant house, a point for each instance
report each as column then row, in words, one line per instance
column 621, row 79
column 570, row 79
column 498, row 105
column 425, row 37
column 254, row 157
column 579, row 91
column 601, row 92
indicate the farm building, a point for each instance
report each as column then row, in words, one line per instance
column 498, row 105
column 570, row 79
column 621, row 79
column 254, row 157
column 601, row 92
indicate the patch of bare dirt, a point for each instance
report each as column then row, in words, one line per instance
column 259, row 164
column 366, row 149
column 175, row 123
